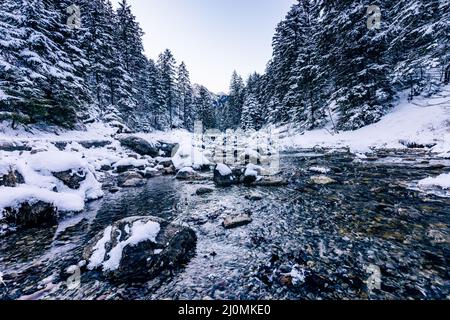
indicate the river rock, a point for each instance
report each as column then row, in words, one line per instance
column 203, row 190
column 9, row 146
column 187, row 174
column 70, row 178
column 237, row 221
column 223, row 176
column 168, row 149
column 323, row 180
column 32, row 214
column 140, row 248
column 271, row 182
column 140, row 146
column 130, row 180
column 94, row 143
column 165, row 162
column 169, row 171
column 254, row 197
column 11, row 179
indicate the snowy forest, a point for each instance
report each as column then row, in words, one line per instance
column 323, row 176
column 326, row 65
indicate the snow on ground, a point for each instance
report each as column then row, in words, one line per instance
column 406, row 124
column 41, row 185
column 94, row 131
column 441, row 181
column 14, row 197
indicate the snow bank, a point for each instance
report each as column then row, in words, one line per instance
column 14, row 197
column 131, row 162
column 442, row 181
column 41, row 185
column 408, row 122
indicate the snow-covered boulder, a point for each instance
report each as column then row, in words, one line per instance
column 187, row 173
column 130, row 180
column 223, row 176
column 32, row 206
column 252, row 173
column 39, row 186
column 139, row 248
column 126, row 164
column 140, row 146
column 60, row 171
column 70, row 178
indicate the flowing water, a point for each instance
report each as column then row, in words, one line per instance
column 369, row 235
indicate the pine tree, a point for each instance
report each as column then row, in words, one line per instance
column 250, row 113
column 186, row 96
column 48, row 85
column 205, row 108
column 166, row 65
column 235, row 102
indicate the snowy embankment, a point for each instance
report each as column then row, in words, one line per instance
column 65, row 169
column 442, row 181
column 63, row 179
column 422, row 122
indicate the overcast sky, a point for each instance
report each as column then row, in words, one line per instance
column 213, row 37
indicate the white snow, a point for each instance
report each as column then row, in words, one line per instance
column 40, row 184
column 55, row 161
column 187, row 169
column 223, row 169
column 441, row 181
column 138, row 232
column 14, row 197
column 99, row 250
column 131, row 162
column 318, row 169
column 408, row 122
column 253, row 170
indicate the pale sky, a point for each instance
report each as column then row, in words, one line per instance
column 213, row 37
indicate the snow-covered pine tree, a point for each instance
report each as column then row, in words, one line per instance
column 186, row 96
column 50, row 90
column 14, row 79
column 358, row 64
column 131, row 50
column 286, row 43
column 235, row 102
column 305, row 81
column 251, row 116
column 418, row 46
column 167, row 69
column 204, row 106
